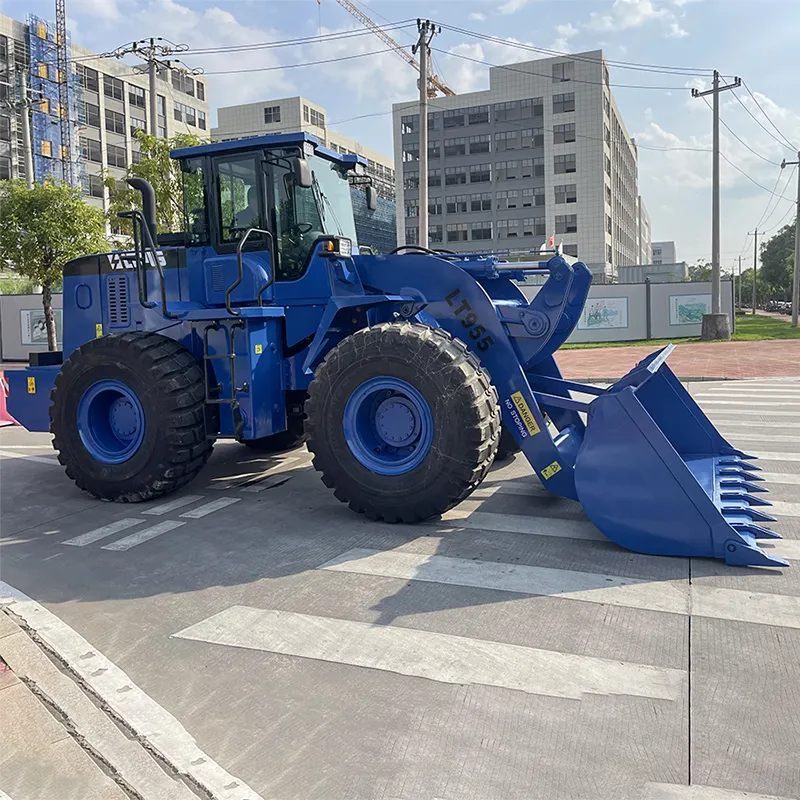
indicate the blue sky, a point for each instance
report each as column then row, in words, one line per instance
column 757, row 41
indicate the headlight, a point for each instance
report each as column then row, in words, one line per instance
column 338, row 246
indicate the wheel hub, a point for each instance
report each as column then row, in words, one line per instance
column 111, row 421
column 123, row 418
column 397, row 421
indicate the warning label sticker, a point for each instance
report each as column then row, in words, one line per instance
column 525, row 413
column 551, row 470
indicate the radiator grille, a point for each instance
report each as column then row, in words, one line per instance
column 117, row 296
column 218, row 282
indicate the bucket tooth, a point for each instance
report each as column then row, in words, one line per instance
column 743, row 553
column 740, row 483
column 737, row 470
column 757, row 531
column 749, row 467
column 753, row 487
column 729, row 510
column 755, row 501
column 759, row 516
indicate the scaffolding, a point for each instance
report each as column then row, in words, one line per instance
column 56, row 95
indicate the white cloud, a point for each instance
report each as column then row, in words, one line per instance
column 105, row 10
column 675, row 31
column 628, row 14
column 565, row 33
column 512, row 6
column 477, row 16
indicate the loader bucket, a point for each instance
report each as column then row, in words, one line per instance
column 655, row 475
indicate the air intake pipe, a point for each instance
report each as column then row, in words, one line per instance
column 148, row 202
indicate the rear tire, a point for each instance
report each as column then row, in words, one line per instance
column 508, row 447
column 127, row 417
column 292, row 437
column 402, row 422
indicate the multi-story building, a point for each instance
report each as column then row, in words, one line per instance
column 290, row 114
column 643, row 235
column 543, row 152
column 109, row 101
column 664, row 253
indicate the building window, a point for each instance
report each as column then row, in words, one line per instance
column 136, row 156
column 454, row 176
column 531, row 137
column 608, row 166
column 408, row 124
column 117, row 157
column 507, row 170
column 480, row 173
column 44, row 105
column 184, row 113
column 5, row 169
column 92, row 113
column 563, row 103
column 272, row 114
column 608, row 223
column 46, row 148
column 566, row 193
column 480, row 202
column 506, row 111
column 434, row 151
column 565, row 71
column 570, row 250
column 606, row 106
column 567, row 223
column 412, row 235
column 608, row 195
column 92, row 185
column 533, row 197
column 480, row 230
column 91, row 150
column 435, row 234
column 607, row 135
column 411, row 180
column 480, row 144
column 137, row 125
column 478, row 115
column 609, row 254
column 434, row 177
column 455, row 147
column 113, row 87
column 115, row 121
column 5, row 129
column 532, row 107
column 457, row 204
column 507, row 199
column 505, row 140
column 3, row 47
column 454, row 118
column 564, row 164
column 317, row 118
column 136, row 96
column 411, row 152
column 182, row 82
column 306, row 117
column 201, row 91
column 435, row 206
column 88, row 78
column 564, row 133
column 412, row 209
column 533, row 226
column 201, row 119
column 508, row 228
column 457, row 232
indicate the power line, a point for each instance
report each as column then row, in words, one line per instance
column 304, row 64
column 753, row 180
column 759, row 123
column 783, row 219
column 767, row 117
column 675, row 70
column 741, row 141
column 765, row 217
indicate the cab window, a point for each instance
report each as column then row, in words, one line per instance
column 239, row 198
column 194, row 201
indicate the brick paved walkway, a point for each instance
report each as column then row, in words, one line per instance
column 769, row 359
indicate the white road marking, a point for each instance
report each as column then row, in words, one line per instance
column 773, row 456
column 784, row 509
column 783, row 548
column 745, row 399
column 736, row 412
column 4, row 796
column 28, row 447
column 267, row 483
column 742, row 606
column 140, row 712
column 779, row 477
column 51, row 460
column 674, row 791
column 436, row 656
column 671, row 597
column 749, row 403
column 210, row 508
column 762, row 437
column 172, row 505
column 519, row 523
column 747, row 423
column 101, row 533
column 144, row 535
column 277, row 470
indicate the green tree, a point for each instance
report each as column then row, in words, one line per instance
column 701, row 271
column 777, row 263
column 42, row 228
column 164, row 175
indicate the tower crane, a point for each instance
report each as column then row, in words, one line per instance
column 435, row 83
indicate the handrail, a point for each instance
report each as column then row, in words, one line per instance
column 240, row 267
column 149, row 246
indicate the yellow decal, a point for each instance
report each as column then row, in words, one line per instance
column 31, row 385
column 525, row 413
column 548, row 472
column 259, row 349
column 98, row 330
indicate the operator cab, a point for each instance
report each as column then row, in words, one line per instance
column 276, row 196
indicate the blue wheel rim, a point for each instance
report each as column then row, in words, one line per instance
column 388, row 426
column 111, row 421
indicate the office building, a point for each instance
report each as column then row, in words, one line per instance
column 543, row 152
column 643, row 239
column 664, row 253
column 109, row 101
column 291, row 114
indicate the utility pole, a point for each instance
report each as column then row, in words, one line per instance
column 153, row 52
column 796, row 273
column 427, row 30
column 715, row 325
column 21, row 104
column 739, row 284
column 755, row 265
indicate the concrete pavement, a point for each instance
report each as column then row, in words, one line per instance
column 505, row 651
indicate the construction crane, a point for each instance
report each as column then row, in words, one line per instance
column 435, row 83
column 63, row 77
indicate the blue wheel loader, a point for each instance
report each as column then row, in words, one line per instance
column 262, row 322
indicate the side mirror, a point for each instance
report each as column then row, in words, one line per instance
column 372, row 198
column 302, row 173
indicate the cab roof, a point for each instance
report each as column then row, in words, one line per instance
column 271, row 140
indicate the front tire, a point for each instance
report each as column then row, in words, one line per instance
column 127, row 417
column 402, row 421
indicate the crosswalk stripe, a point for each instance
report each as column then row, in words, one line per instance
column 173, row 505
column 748, row 403
column 736, row 412
column 784, row 509
column 745, row 399
column 674, row 791
column 740, row 605
column 591, row 587
column 519, row 523
column 783, row 548
column 771, row 455
column 210, row 508
column 723, row 424
column 144, row 535
column 51, row 460
column 758, row 437
column 440, row 657
column 101, row 533
column 778, row 477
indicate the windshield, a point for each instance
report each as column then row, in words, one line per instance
column 332, row 193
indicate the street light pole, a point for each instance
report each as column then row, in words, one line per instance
column 796, row 272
